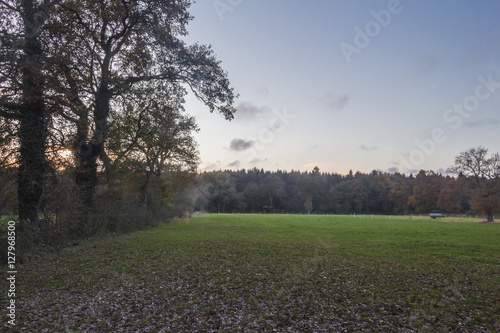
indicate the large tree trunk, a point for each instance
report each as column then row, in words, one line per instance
column 85, row 161
column 145, row 190
column 32, row 126
column 32, row 166
column 87, row 153
column 86, row 156
column 490, row 217
column 86, row 181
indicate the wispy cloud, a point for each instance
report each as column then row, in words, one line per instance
column 234, row 164
column 393, row 170
column 334, row 102
column 250, row 111
column 407, row 172
column 212, row 166
column 442, row 171
column 240, row 144
column 367, row 148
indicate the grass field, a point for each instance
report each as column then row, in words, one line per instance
column 272, row 273
column 4, row 220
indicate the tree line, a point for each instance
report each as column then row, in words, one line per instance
column 473, row 190
column 92, row 123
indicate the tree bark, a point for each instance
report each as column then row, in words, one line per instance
column 88, row 152
column 145, row 190
column 490, row 217
column 32, row 123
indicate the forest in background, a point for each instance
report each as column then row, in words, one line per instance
column 259, row 191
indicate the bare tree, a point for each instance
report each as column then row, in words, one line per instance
column 485, row 171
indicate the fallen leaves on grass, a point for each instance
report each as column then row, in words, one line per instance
column 134, row 285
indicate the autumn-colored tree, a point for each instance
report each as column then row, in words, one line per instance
column 456, row 195
column 426, row 192
column 308, row 205
column 111, row 47
column 399, row 194
column 150, row 134
column 485, row 172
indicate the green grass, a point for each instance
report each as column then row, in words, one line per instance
column 272, row 272
column 4, row 220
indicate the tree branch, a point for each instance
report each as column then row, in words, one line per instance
column 9, row 6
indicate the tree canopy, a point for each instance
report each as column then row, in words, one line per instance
column 104, row 80
column 485, row 171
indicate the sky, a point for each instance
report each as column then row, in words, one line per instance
column 394, row 86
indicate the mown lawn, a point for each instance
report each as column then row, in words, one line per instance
column 269, row 273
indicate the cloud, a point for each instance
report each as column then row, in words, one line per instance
column 212, row 166
column 240, row 144
column 255, row 161
column 393, row 170
column 405, row 171
column 366, row 148
column 334, row 102
column 482, row 123
column 234, row 164
column 250, row 111
column 442, row 171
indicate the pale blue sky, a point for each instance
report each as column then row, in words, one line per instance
column 306, row 98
